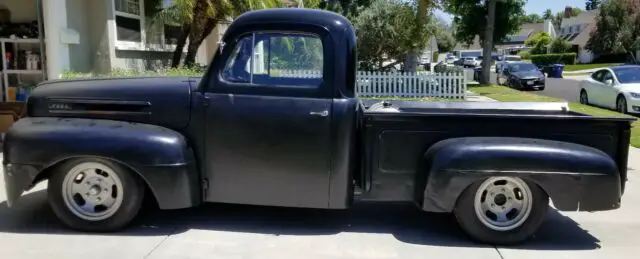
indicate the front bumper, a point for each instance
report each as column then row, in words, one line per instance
column 531, row 83
column 633, row 105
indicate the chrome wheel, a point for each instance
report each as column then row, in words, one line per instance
column 92, row 191
column 503, row 203
column 584, row 99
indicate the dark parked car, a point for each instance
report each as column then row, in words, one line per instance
column 254, row 135
column 522, row 75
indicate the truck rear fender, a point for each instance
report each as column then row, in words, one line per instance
column 160, row 156
column 575, row 177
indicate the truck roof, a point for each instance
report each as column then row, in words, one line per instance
column 330, row 20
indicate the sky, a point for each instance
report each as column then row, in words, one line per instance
column 536, row 6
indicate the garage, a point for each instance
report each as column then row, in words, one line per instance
column 22, row 48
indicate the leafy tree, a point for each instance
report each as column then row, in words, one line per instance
column 470, row 19
column 446, row 41
column 539, row 43
column 617, row 29
column 180, row 13
column 548, row 14
column 386, row 34
column 532, row 18
column 560, row 46
column 592, row 4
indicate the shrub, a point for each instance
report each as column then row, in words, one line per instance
column 547, row 59
column 118, row 72
column 560, row 46
column 524, row 54
column 443, row 68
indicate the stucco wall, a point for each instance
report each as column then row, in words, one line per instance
column 21, row 10
column 100, row 47
column 78, row 20
column 141, row 60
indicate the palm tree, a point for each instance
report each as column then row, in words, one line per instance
column 180, row 13
column 208, row 13
column 198, row 18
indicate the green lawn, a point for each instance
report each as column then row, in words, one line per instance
column 505, row 94
column 577, row 67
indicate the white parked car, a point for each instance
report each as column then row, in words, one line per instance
column 471, row 61
column 616, row 87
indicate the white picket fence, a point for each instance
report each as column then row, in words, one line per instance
column 422, row 84
column 400, row 84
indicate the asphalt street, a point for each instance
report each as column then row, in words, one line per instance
column 563, row 88
column 30, row 230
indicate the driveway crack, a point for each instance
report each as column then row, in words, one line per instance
column 160, row 243
column 498, row 250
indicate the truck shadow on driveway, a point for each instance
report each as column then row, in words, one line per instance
column 406, row 223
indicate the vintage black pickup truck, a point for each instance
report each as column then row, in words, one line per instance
column 249, row 132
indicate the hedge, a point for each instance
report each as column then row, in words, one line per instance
column 548, row 59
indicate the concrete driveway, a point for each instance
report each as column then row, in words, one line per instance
column 30, row 230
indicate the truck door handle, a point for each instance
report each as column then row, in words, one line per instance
column 324, row 113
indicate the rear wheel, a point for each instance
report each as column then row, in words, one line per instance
column 501, row 210
column 93, row 194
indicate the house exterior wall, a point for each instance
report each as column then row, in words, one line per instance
column 84, row 39
column 100, row 45
column 80, row 60
column 585, row 56
column 141, row 60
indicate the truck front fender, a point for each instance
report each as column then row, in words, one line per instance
column 160, row 156
column 575, row 177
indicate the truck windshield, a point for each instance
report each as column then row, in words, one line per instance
column 628, row 75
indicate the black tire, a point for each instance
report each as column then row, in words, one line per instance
column 469, row 222
column 584, row 100
column 621, row 104
column 133, row 189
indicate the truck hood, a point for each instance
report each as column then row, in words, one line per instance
column 162, row 101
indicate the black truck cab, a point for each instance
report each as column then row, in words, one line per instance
column 276, row 121
column 275, row 134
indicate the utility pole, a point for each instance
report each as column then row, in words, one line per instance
column 487, row 47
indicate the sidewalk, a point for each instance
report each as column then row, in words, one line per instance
column 581, row 72
column 474, row 97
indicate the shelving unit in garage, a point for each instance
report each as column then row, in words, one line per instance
column 17, row 69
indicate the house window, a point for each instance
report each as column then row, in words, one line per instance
column 578, row 28
column 570, row 29
column 129, row 20
column 137, row 29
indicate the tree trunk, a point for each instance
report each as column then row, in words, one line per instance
column 196, row 41
column 488, row 43
column 411, row 61
column 182, row 41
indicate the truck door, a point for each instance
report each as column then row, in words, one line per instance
column 268, row 122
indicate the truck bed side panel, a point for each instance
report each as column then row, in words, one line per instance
column 397, row 142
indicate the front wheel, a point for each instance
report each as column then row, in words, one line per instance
column 584, row 98
column 93, row 194
column 621, row 105
column 501, row 210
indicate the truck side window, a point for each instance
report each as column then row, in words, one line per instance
column 277, row 59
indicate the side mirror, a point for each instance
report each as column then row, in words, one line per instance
column 608, row 82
